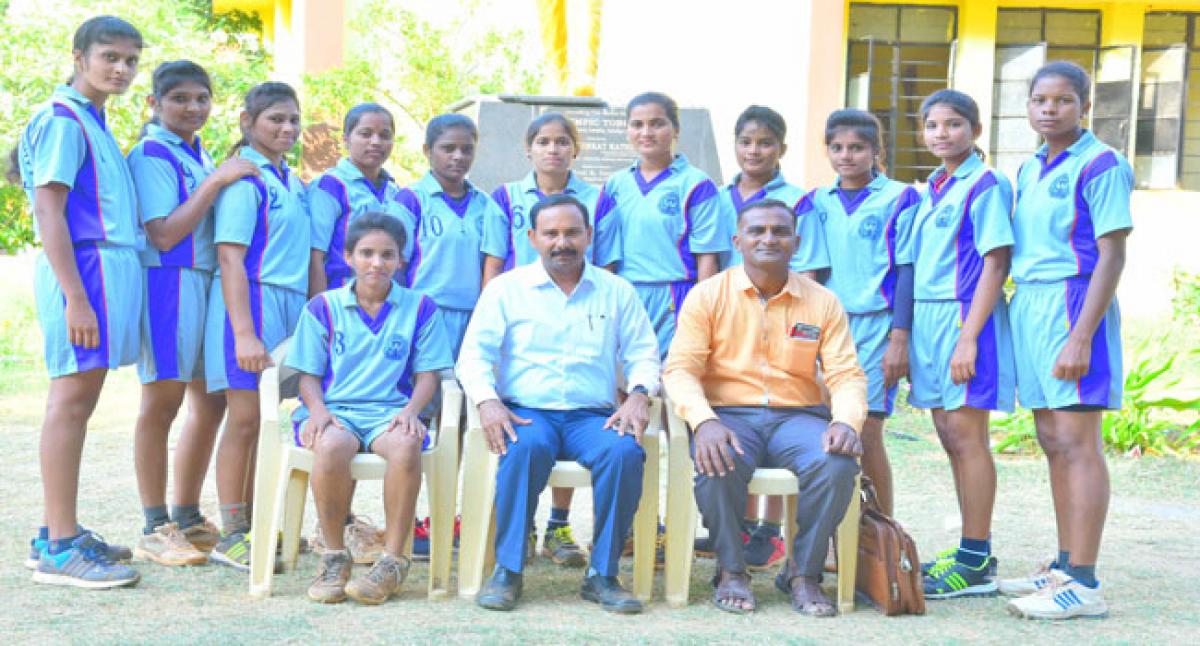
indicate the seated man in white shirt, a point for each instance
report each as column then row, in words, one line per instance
column 540, row 361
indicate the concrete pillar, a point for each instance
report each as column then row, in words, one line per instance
column 975, row 58
column 823, row 34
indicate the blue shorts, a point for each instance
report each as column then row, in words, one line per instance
column 1043, row 315
column 870, row 332
column 275, row 311
column 112, row 279
column 366, row 422
column 662, row 302
column 173, row 324
column 455, row 322
column 935, row 331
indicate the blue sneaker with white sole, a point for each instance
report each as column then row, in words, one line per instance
column 85, row 564
column 39, row 543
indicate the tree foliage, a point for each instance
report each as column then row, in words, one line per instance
column 393, row 57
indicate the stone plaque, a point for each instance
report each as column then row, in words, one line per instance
column 502, row 120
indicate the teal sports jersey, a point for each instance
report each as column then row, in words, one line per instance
column 68, row 142
column 335, row 198
column 166, row 171
column 451, row 237
column 366, row 364
column 269, row 216
column 861, row 236
column 960, row 219
column 666, row 221
column 517, row 199
column 1064, row 206
column 810, row 253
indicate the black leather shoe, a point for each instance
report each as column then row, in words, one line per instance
column 607, row 591
column 502, row 591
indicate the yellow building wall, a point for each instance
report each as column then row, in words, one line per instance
column 306, row 36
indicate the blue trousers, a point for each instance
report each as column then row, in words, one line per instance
column 616, row 463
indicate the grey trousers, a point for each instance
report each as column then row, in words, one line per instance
column 777, row 438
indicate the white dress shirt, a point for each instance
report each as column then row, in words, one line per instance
column 530, row 344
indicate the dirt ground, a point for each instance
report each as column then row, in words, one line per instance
column 1148, row 567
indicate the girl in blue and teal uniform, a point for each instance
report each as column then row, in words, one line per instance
column 1070, row 225
column 262, row 232
column 177, row 184
column 863, row 219
column 960, row 350
column 357, row 184
column 455, row 226
column 87, row 284
column 672, row 227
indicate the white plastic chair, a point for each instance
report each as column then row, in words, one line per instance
column 477, row 549
column 682, row 515
column 282, row 471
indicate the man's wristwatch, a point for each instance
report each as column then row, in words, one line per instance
column 639, row 389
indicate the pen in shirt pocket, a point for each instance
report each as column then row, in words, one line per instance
column 591, row 327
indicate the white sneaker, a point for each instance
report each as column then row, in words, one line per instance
column 1046, row 575
column 1066, row 600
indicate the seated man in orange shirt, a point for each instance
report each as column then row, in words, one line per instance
column 742, row 372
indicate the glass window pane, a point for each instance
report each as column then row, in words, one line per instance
column 873, row 22
column 1016, row 26
column 1195, row 31
column 1073, row 27
column 926, row 25
column 1163, row 29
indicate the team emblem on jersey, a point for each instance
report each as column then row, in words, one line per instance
column 870, row 228
column 1060, row 186
column 669, row 204
column 944, row 216
column 395, row 348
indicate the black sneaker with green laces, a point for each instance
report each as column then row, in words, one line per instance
column 948, row 579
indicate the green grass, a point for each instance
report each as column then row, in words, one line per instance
column 1149, row 564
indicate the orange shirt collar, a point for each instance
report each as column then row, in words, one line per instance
column 741, row 281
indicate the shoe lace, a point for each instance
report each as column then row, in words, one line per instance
column 387, row 567
column 565, row 537
column 941, row 568
column 174, row 536
column 94, row 549
column 331, row 566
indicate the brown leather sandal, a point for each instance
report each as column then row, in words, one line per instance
column 802, row 599
column 735, row 589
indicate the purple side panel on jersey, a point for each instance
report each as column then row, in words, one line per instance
column 1083, row 232
column 91, row 273
column 409, row 200
column 183, row 254
column 644, row 186
column 500, row 196
column 162, row 305
column 1093, row 387
column 336, row 266
column 699, row 194
column 968, row 263
column 257, row 250
column 85, row 216
column 240, row 379
column 425, row 311
column 983, row 390
column 319, row 308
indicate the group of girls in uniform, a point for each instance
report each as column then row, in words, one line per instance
column 198, row 271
